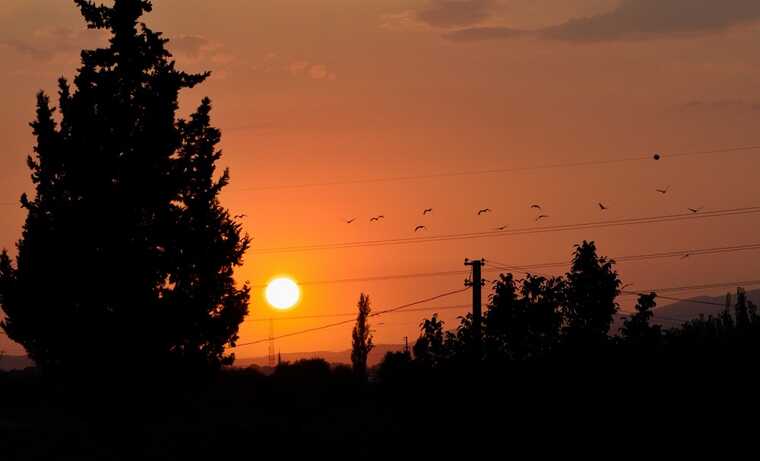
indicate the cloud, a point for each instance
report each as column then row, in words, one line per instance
column 634, row 20
column 455, row 13
column 715, row 105
column 199, row 49
column 473, row 34
column 313, row 71
column 47, row 44
column 191, row 46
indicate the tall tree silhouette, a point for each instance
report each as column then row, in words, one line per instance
column 126, row 255
column 592, row 286
column 361, row 337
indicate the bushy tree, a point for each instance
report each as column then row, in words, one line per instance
column 361, row 337
column 592, row 287
column 429, row 349
column 638, row 330
column 523, row 322
column 126, row 255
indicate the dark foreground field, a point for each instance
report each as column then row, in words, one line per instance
column 317, row 413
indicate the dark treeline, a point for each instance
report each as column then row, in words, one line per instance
column 568, row 320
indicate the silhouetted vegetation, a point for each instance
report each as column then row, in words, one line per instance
column 126, row 257
column 361, row 338
column 567, row 320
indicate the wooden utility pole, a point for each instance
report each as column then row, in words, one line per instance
column 477, row 284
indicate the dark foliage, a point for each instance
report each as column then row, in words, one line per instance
column 126, row 255
column 567, row 320
column 361, row 338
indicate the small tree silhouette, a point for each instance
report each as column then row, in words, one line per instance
column 638, row 330
column 430, row 347
column 361, row 338
column 126, row 255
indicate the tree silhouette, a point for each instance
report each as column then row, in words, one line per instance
column 126, row 255
column 523, row 325
column 361, row 338
column 742, row 310
column 429, row 349
column 637, row 330
column 592, row 286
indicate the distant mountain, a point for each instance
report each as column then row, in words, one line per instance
column 14, row 362
column 671, row 314
column 375, row 357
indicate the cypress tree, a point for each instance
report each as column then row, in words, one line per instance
column 126, row 255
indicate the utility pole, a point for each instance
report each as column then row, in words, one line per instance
column 406, row 344
column 477, row 284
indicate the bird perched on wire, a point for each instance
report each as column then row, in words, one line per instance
column 377, row 218
column 696, row 210
column 663, row 191
column 602, row 207
column 685, row 256
column 427, row 211
column 657, row 156
column 484, row 211
column 540, row 217
column 501, row 228
column 420, row 228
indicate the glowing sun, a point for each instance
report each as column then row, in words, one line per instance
column 283, row 293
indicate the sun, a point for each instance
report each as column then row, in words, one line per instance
column 283, row 293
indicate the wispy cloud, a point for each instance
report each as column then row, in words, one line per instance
column 311, row 70
column 455, row 13
column 720, row 105
column 634, row 20
column 46, row 44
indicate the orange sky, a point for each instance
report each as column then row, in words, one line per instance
column 321, row 90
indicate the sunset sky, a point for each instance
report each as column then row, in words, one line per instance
column 333, row 91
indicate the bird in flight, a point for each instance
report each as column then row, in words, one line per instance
column 350, row 221
column 663, row 191
column 602, row 207
column 427, row 211
column 696, row 210
column 501, row 228
column 420, row 228
column 484, row 211
column 537, row 207
column 540, row 217
column 377, row 218
column 626, row 286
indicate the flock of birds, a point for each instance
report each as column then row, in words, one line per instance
column 539, row 209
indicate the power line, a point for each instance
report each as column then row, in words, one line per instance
column 352, row 314
column 513, row 232
column 345, row 322
column 617, row 259
column 548, row 166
